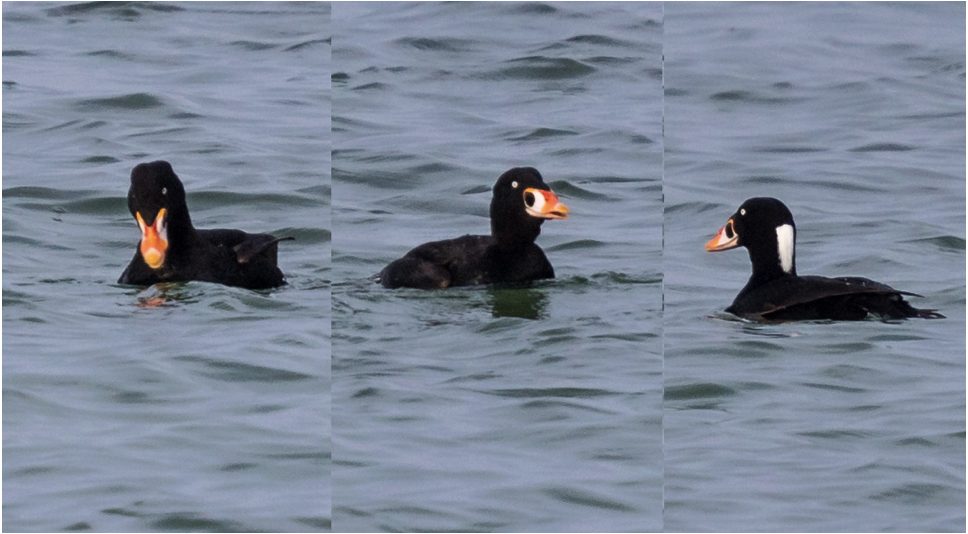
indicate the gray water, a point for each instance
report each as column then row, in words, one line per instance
column 617, row 397
column 533, row 409
column 187, row 406
column 853, row 115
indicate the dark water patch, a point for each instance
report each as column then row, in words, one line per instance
column 788, row 150
column 641, row 140
column 339, row 77
column 67, row 280
column 305, row 235
column 574, row 496
column 476, row 190
column 235, row 467
column 122, row 512
column 253, row 46
column 882, row 147
column 322, row 524
column 620, row 278
column 116, row 10
column 916, row 494
column 581, row 244
column 600, row 40
column 440, row 44
column 132, row 397
column 543, row 68
column 751, row 97
column 834, row 387
column 943, row 242
column 18, row 53
column 490, row 375
column 64, row 125
column 698, row 391
column 184, row 115
column 673, row 92
column 366, row 393
column 896, row 337
column 532, row 393
column 915, row 442
column 111, row 54
column 848, row 348
column 532, row 8
column 579, row 152
column 545, row 404
column 693, row 208
column 130, row 102
column 307, row 44
column 837, row 435
column 766, row 180
column 373, row 86
column 243, row 372
column 541, row 133
column 191, row 522
column 78, row 527
column 8, row 85
column 568, row 190
column 612, row 61
column 101, row 205
column 100, row 160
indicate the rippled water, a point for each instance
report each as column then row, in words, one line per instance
column 210, row 410
column 617, row 397
column 497, row 409
column 854, row 115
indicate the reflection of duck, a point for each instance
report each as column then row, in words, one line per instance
column 774, row 292
column 521, row 202
column 172, row 250
column 524, row 303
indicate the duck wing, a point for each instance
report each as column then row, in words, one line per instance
column 818, row 297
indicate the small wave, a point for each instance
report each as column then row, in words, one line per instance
column 543, row 68
column 134, row 101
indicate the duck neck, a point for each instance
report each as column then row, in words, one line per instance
column 771, row 263
column 517, row 237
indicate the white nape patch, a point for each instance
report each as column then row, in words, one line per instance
column 785, row 242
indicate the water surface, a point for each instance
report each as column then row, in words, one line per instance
column 181, row 406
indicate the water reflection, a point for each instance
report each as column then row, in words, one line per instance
column 517, row 302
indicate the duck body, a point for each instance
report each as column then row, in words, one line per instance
column 172, row 250
column 776, row 293
column 521, row 202
column 466, row 261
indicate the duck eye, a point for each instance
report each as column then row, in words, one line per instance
column 729, row 230
column 529, row 199
column 742, row 211
column 164, row 190
column 514, row 184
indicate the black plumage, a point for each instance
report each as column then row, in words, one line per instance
column 776, row 293
column 172, row 250
column 521, row 202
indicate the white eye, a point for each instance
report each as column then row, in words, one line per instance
column 164, row 190
column 514, row 184
column 742, row 211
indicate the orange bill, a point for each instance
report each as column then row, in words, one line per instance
column 725, row 239
column 154, row 239
column 544, row 204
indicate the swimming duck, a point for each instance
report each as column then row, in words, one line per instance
column 521, row 202
column 776, row 293
column 172, row 250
